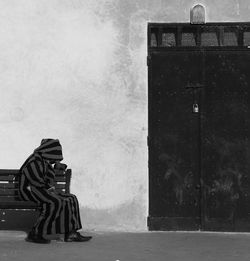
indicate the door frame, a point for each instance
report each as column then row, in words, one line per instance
column 161, row 223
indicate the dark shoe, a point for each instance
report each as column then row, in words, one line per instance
column 35, row 238
column 76, row 237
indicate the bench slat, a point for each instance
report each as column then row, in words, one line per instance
column 9, row 192
column 60, row 186
column 61, row 191
column 8, row 185
column 8, row 178
column 9, row 171
column 12, row 179
column 16, row 172
column 60, row 177
column 7, row 198
column 60, row 172
column 12, row 204
column 14, row 191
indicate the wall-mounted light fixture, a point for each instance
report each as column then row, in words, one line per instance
column 197, row 14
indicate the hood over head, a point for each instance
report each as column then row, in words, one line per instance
column 50, row 149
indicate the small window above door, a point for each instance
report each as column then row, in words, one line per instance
column 202, row 36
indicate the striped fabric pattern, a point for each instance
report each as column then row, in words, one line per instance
column 50, row 149
column 60, row 212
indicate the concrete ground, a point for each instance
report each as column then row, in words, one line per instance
column 148, row 246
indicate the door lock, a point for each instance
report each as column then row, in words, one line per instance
column 195, row 108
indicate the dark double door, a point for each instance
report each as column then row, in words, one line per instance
column 199, row 148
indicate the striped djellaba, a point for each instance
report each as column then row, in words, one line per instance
column 60, row 212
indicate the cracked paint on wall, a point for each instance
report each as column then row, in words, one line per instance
column 76, row 70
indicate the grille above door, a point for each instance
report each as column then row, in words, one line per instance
column 208, row 35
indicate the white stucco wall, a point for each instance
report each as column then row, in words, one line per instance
column 76, row 70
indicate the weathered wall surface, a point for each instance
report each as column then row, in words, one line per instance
column 76, row 70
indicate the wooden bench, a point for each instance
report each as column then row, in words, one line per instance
column 16, row 214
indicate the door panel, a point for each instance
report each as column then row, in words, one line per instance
column 225, row 141
column 199, row 162
column 174, row 140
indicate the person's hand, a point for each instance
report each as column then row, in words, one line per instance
column 60, row 166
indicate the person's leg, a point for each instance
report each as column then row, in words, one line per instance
column 51, row 208
column 73, row 208
column 74, row 220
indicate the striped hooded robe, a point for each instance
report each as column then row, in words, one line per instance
column 60, row 212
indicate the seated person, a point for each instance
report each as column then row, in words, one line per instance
column 60, row 212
